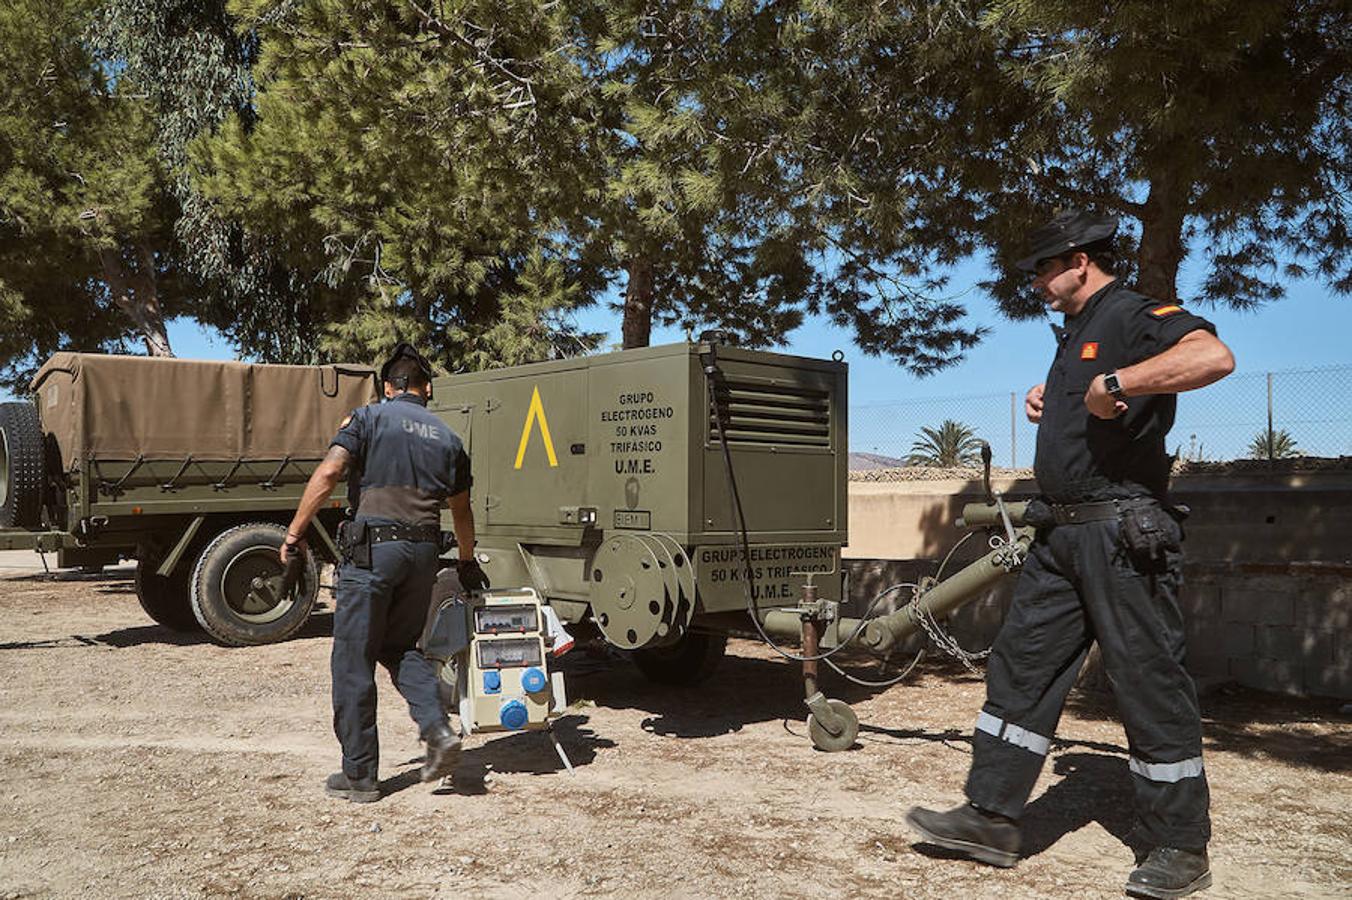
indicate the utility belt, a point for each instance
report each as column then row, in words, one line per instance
column 356, row 537
column 1075, row 513
column 1144, row 532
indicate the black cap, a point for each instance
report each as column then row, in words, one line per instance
column 401, row 350
column 1069, row 230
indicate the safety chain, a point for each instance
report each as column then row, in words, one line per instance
column 946, row 642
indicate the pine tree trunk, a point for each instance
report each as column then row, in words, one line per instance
column 638, row 304
column 1161, row 251
column 136, row 295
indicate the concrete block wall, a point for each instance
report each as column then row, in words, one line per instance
column 1287, row 632
column 1268, row 581
column 1278, row 628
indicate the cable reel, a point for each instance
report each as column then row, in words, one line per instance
column 645, row 584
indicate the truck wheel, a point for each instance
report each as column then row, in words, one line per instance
column 21, row 466
column 687, row 662
column 165, row 598
column 237, row 587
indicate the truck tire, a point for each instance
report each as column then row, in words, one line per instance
column 21, row 466
column 236, row 588
column 688, row 662
column 166, row 598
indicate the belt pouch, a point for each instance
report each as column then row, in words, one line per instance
column 355, row 543
column 1143, row 534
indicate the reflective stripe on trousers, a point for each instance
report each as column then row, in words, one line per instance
column 1013, row 734
column 1166, row 773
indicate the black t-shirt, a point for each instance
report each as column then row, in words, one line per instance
column 406, row 462
column 1081, row 457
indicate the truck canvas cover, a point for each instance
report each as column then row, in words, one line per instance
column 98, row 406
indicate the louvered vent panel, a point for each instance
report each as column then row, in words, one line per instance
column 773, row 414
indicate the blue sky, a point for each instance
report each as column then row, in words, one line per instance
column 1309, row 329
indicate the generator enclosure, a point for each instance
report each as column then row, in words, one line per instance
column 600, row 482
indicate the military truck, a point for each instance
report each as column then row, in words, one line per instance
column 191, row 468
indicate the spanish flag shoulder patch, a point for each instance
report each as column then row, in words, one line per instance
column 1160, row 312
column 343, row 424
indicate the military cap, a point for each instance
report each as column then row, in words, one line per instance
column 401, row 350
column 1069, row 230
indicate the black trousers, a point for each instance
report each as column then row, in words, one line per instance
column 1077, row 586
column 379, row 617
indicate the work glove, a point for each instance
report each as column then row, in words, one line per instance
column 292, row 547
column 472, row 578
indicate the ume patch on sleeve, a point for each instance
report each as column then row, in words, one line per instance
column 1160, row 312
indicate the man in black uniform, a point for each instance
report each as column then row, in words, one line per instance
column 1106, row 566
column 405, row 465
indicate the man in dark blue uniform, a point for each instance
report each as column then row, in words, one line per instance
column 1106, row 566
column 404, row 465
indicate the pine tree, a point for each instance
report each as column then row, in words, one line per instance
column 417, row 161
column 84, row 211
column 1219, row 129
column 192, row 62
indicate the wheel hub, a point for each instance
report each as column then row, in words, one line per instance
column 252, row 585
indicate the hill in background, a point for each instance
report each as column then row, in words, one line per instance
column 863, row 462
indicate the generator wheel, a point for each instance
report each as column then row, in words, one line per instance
column 834, row 743
column 689, row 661
column 22, row 468
column 237, row 587
column 166, row 598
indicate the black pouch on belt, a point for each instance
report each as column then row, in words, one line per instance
column 354, row 542
column 1144, row 533
column 1038, row 514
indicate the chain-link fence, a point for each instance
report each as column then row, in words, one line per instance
column 1255, row 415
column 895, row 430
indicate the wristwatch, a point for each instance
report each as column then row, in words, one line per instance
column 1114, row 387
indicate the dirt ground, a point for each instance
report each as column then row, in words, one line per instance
column 139, row 763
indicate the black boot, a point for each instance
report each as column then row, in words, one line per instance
column 984, row 836
column 1170, row 872
column 443, row 752
column 358, row 790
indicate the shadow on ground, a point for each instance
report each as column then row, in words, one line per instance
column 1097, row 787
column 318, row 626
column 522, row 752
column 1302, row 731
column 743, row 691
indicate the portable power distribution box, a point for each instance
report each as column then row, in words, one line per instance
column 502, row 678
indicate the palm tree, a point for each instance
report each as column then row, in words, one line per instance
column 1269, row 444
column 951, row 444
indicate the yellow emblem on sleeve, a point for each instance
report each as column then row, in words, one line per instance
column 343, row 424
column 1161, row 311
column 536, row 411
